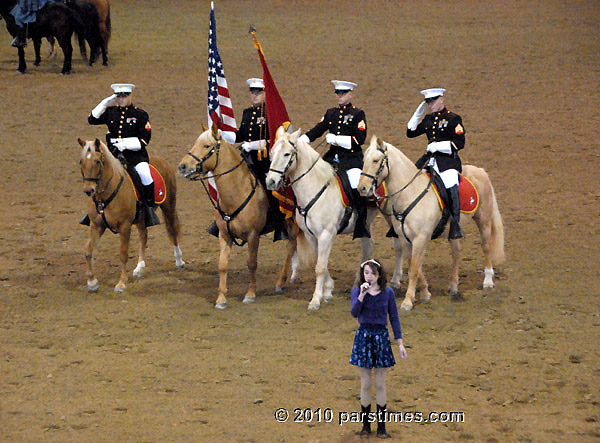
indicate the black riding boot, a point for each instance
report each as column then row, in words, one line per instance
column 360, row 228
column 213, row 229
column 455, row 229
column 149, row 214
column 20, row 41
column 381, row 418
column 85, row 220
column 366, row 429
column 280, row 232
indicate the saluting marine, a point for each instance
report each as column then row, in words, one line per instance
column 129, row 133
column 446, row 136
column 347, row 126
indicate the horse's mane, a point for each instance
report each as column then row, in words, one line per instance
column 322, row 169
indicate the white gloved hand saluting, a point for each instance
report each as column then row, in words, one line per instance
column 101, row 107
column 417, row 116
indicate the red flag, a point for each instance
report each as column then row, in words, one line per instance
column 276, row 116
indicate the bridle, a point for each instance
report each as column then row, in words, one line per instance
column 197, row 173
column 374, row 178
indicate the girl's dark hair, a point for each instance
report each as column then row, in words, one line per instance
column 374, row 265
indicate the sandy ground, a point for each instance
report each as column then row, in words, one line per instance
column 160, row 363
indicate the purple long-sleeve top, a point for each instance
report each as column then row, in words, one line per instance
column 375, row 309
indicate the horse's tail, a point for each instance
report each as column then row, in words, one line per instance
column 306, row 254
column 497, row 235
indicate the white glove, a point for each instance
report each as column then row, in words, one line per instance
column 330, row 138
column 416, row 118
column 304, row 138
column 131, row 143
column 253, row 146
column 101, row 107
column 444, row 147
column 344, row 141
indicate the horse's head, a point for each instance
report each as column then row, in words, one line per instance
column 92, row 163
column 204, row 155
column 375, row 167
column 284, row 158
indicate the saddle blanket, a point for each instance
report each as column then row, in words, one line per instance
column 160, row 190
column 469, row 197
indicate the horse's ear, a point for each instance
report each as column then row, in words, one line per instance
column 215, row 131
column 380, row 143
column 295, row 135
column 280, row 132
column 97, row 144
column 81, row 142
column 203, row 126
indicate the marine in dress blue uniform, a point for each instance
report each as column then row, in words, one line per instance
column 347, row 131
column 446, row 136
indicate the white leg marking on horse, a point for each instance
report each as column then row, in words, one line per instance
column 179, row 263
column 139, row 269
column 488, row 281
column 93, row 285
column 295, row 265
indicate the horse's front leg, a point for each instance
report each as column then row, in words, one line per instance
column 141, row 264
column 94, row 235
column 225, row 250
column 324, row 243
column 22, row 65
column 124, row 236
column 287, row 264
column 418, row 251
column 396, row 281
column 253, row 242
column 453, row 285
column 37, row 44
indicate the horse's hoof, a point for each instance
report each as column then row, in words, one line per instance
column 406, row 306
column 139, row 269
column 313, row 307
column 119, row 288
column 279, row 289
column 425, row 298
column 395, row 285
column 248, row 299
column 221, row 305
column 488, row 285
column 452, row 291
column 458, row 297
column 327, row 298
column 93, row 286
column 180, row 265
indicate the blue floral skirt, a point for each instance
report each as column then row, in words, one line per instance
column 372, row 348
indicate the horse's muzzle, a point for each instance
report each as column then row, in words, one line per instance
column 89, row 192
column 183, row 170
column 273, row 184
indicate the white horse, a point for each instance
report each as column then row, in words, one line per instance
column 417, row 213
column 319, row 208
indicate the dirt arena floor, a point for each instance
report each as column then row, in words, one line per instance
column 160, row 363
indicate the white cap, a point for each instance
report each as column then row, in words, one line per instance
column 433, row 92
column 255, row 83
column 122, row 87
column 341, row 85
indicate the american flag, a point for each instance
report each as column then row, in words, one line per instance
column 220, row 109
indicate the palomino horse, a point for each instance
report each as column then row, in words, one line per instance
column 241, row 208
column 319, row 208
column 112, row 205
column 417, row 213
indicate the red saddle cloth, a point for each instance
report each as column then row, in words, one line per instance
column 160, row 190
column 469, row 197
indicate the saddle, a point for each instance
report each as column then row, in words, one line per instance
column 469, row 198
column 160, row 190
